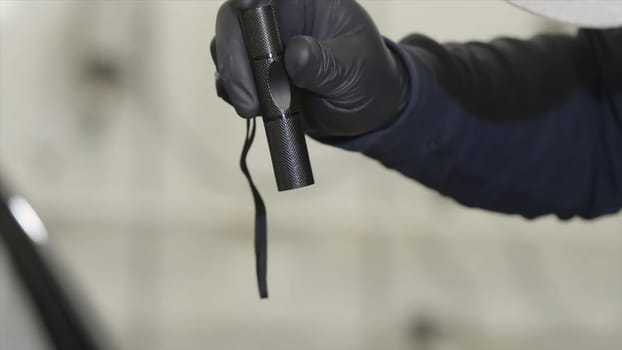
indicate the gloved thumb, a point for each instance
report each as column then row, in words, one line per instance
column 323, row 68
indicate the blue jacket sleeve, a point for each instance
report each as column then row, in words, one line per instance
column 530, row 127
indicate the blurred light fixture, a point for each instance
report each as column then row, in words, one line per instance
column 28, row 219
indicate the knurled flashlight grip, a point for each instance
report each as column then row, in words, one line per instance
column 280, row 108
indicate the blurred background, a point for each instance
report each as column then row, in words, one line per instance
column 111, row 127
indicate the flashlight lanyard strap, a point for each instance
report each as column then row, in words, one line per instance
column 261, row 231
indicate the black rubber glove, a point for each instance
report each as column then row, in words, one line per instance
column 351, row 82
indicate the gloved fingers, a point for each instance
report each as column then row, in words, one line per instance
column 325, row 68
column 236, row 84
column 221, row 91
column 229, row 49
column 220, row 88
column 212, row 49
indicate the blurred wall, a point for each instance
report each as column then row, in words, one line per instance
column 110, row 124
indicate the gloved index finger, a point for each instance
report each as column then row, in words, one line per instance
column 233, row 64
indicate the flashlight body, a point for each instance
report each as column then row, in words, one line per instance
column 280, row 107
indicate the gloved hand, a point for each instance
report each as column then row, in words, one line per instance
column 351, row 83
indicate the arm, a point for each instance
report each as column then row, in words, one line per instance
column 524, row 127
column 527, row 127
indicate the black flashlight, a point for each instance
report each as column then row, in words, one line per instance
column 280, row 107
